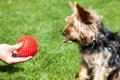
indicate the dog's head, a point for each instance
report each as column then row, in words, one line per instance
column 82, row 26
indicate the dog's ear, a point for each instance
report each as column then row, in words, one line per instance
column 83, row 14
column 73, row 7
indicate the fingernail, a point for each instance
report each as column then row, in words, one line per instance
column 20, row 44
column 30, row 56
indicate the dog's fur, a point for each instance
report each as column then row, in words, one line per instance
column 100, row 48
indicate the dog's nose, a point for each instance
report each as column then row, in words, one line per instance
column 63, row 33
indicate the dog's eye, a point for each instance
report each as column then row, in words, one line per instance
column 71, row 25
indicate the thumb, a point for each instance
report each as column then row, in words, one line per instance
column 16, row 46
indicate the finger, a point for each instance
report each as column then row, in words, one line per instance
column 18, row 59
column 16, row 46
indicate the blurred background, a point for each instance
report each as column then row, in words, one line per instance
column 44, row 20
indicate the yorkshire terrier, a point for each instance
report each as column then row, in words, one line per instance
column 100, row 48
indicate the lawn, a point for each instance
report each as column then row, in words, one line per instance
column 44, row 19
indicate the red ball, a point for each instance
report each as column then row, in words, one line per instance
column 29, row 46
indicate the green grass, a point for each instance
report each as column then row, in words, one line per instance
column 44, row 19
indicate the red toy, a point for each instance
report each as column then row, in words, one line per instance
column 29, row 47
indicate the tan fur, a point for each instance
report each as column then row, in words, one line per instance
column 96, row 66
column 86, row 36
column 83, row 74
column 84, row 30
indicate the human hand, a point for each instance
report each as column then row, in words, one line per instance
column 7, row 51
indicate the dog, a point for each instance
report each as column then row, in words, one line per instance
column 100, row 47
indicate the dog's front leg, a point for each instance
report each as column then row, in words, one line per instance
column 100, row 73
column 83, row 74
